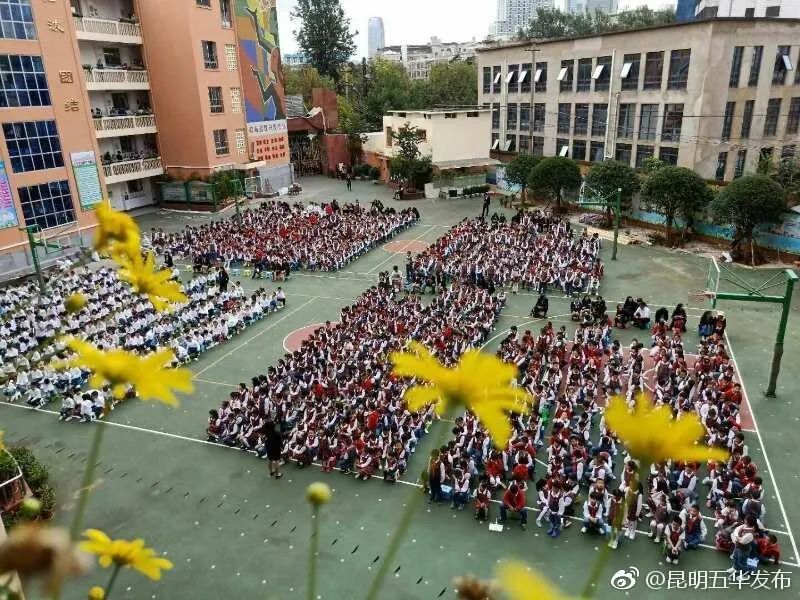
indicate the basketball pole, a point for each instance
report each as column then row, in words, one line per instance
column 33, row 243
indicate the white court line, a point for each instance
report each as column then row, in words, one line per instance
column 394, row 255
column 314, row 325
column 523, row 324
column 220, row 383
column 787, row 524
column 259, row 334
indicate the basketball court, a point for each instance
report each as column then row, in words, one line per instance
column 232, row 530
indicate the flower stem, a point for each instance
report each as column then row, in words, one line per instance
column 312, row 559
column 402, row 528
column 112, row 580
column 88, row 477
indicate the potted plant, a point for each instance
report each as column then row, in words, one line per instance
column 47, row 496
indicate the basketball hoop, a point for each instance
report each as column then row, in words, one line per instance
column 697, row 296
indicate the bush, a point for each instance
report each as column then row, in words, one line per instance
column 47, row 496
column 8, row 468
column 374, row 172
column 36, row 474
column 37, row 477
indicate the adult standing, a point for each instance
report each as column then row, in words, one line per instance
column 222, row 279
column 273, row 442
column 349, row 179
column 487, row 200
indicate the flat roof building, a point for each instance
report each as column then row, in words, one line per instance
column 712, row 95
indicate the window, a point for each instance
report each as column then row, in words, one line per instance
column 33, row 145
column 487, row 80
column 451, row 115
column 788, row 152
column 625, row 120
column 642, row 154
column 562, row 147
column 709, row 12
column 783, row 64
column 771, row 118
column 221, row 142
column 525, row 116
column 16, row 20
column 511, row 116
column 749, row 13
column 722, row 163
column 584, row 74
column 203, row 3
column 772, row 11
column 755, row 66
column 727, row 121
column 236, row 100
column 581, row 124
column 495, row 141
column 653, row 69
column 495, row 115
column 231, row 57
column 525, row 144
column 537, row 147
column 538, row 117
column 564, row 113
column 497, row 75
column 511, row 79
column 599, row 116
column 565, row 75
column 624, row 154
column 596, row 151
column 511, row 144
column 738, row 167
column 736, row 66
column 225, row 13
column 47, row 204
column 22, row 81
column 210, row 55
column 765, row 155
column 473, row 114
column 579, row 149
column 747, row 118
column 630, row 71
column 673, row 120
column 793, row 119
column 602, row 74
column 540, row 77
column 678, row 69
column 668, row 155
column 525, row 78
column 389, row 137
column 215, row 100
column 648, row 121
column 135, row 186
column 112, row 57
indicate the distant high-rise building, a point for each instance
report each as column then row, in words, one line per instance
column 375, row 36
column 513, row 15
column 684, row 11
column 590, row 6
column 707, row 9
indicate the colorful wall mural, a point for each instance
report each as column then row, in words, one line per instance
column 262, row 80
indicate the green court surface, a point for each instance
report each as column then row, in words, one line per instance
column 233, row 532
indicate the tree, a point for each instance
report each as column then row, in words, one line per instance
column 389, row 89
column 450, row 84
column 745, row 203
column 676, row 192
column 519, row 170
column 352, row 124
column 408, row 162
column 299, row 81
column 550, row 23
column 324, row 35
column 607, row 177
column 554, row 175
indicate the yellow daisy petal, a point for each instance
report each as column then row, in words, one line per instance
column 520, row 583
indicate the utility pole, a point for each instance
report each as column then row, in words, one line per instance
column 609, row 139
column 532, row 117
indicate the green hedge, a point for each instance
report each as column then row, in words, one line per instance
column 37, row 477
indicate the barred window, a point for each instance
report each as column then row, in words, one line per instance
column 210, row 55
column 215, row 100
column 221, row 142
column 33, row 145
column 47, row 204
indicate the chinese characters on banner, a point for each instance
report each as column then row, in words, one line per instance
column 268, row 141
column 8, row 214
column 84, row 166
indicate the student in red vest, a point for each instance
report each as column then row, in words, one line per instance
column 514, row 501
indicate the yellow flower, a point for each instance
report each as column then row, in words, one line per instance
column 75, row 302
column 318, row 493
column 97, row 593
column 481, row 383
column 117, row 233
column 651, row 434
column 120, row 369
column 125, row 553
column 32, row 549
column 144, row 279
column 2, row 445
column 519, row 583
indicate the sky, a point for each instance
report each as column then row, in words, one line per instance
column 415, row 21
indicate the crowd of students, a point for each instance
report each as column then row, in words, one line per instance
column 335, row 401
column 277, row 237
column 32, row 355
column 532, row 251
column 584, row 475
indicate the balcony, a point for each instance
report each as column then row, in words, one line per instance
column 107, row 30
column 126, row 170
column 107, row 127
column 116, row 79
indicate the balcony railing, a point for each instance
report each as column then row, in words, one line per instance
column 107, row 30
column 121, row 79
column 133, row 169
column 128, row 125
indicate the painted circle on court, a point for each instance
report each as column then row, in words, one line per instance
column 294, row 339
column 403, row 246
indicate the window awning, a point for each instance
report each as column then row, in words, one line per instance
column 497, row 78
column 787, row 62
column 522, row 76
column 598, row 70
column 496, row 144
column 510, row 76
column 537, row 76
column 626, row 70
column 563, row 151
column 507, row 145
column 562, row 73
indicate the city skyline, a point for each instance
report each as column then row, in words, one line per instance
column 403, row 25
